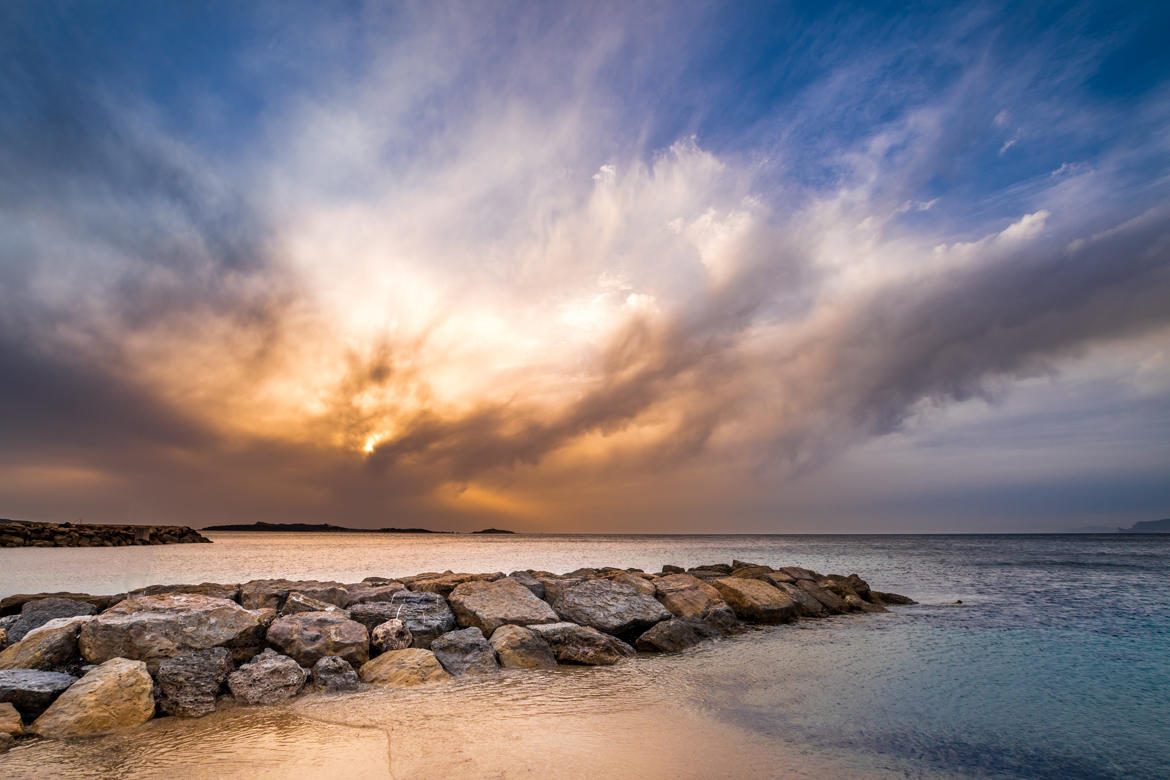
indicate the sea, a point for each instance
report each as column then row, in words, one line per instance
column 1030, row 656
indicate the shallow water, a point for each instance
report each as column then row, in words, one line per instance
column 1057, row 664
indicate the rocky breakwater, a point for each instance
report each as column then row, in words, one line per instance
column 19, row 533
column 75, row 665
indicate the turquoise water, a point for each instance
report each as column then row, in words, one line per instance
column 1056, row 664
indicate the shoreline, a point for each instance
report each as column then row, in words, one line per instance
column 186, row 650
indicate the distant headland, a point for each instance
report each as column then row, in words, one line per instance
column 1148, row 527
column 330, row 528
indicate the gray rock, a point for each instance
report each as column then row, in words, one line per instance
column 465, row 652
column 155, row 628
column 489, row 605
column 307, row 637
column 614, row 607
column 334, row 674
column 427, row 615
column 31, row 691
column 35, row 614
column 391, row 635
column 798, row 574
column 269, row 678
column 189, row 683
column 574, row 644
column 671, row 636
column 520, row 648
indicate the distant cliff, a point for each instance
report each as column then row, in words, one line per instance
column 1148, row 527
column 21, row 533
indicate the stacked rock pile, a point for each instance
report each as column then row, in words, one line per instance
column 19, row 533
column 78, row 665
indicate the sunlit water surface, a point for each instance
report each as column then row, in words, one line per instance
column 1057, row 664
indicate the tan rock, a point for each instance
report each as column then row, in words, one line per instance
column 756, row 600
column 10, row 722
column 48, row 647
column 489, row 605
column 154, row 628
column 404, row 668
column 117, row 695
column 687, row 596
column 520, row 648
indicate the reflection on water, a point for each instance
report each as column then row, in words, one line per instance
column 639, row 719
column 1054, row 666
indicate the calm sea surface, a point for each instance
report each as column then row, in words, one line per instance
column 1056, row 664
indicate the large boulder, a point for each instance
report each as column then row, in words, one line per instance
column 272, row 593
column 334, row 674
column 465, row 652
column 426, row 615
column 49, row 646
column 574, row 644
column 520, row 648
column 269, row 678
column 117, row 695
column 381, row 590
column 404, row 668
column 832, row 603
column 299, row 602
column 676, row 634
column 686, row 595
column 756, row 600
column 213, row 589
column 34, row 614
column 31, row 691
column 391, row 635
column 155, row 628
column 307, row 637
column 189, row 682
column 489, row 605
column 611, row 606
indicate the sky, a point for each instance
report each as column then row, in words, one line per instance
column 586, row 267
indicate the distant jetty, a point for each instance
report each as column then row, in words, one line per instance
column 78, row 665
column 23, row 533
column 330, row 528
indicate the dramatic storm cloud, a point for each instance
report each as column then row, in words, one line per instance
column 651, row 268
